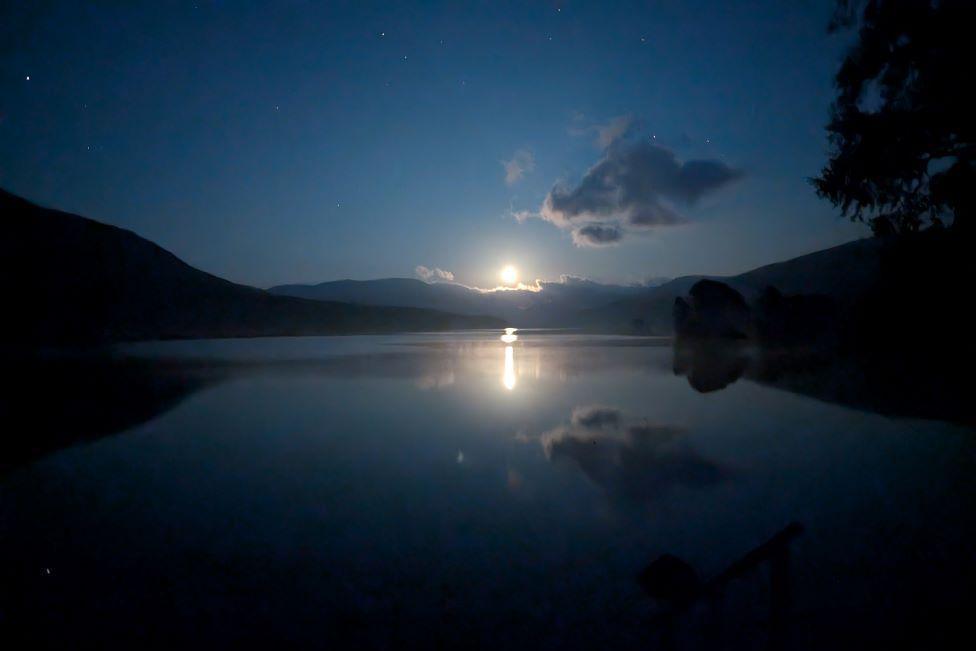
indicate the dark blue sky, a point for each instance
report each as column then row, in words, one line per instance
column 292, row 141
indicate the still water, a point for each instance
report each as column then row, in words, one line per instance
column 481, row 489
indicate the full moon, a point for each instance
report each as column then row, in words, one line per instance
column 509, row 275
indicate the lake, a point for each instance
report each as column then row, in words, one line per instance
column 476, row 489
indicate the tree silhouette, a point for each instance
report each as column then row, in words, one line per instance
column 901, row 129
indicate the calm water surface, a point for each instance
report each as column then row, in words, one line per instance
column 468, row 489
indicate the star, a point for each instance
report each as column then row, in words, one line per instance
column 28, row 77
column 404, row 57
column 382, row 34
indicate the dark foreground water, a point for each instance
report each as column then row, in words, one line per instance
column 461, row 491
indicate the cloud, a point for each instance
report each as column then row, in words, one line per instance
column 570, row 279
column 523, row 215
column 612, row 131
column 607, row 133
column 597, row 235
column 428, row 274
column 521, row 163
column 635, row 186
column 535, row 287
column 583, row 292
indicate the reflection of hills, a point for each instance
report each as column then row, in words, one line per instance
column 51, row 404
column 47, row 404
column 710, row 365
column 636, row 463
column 907, row 384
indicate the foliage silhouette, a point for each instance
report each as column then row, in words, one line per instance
column 901, row 128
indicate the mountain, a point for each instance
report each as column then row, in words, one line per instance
column 72, row 280
column 405, row 292
column 843, row 273
column 548, row 304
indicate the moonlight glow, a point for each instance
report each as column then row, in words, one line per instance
column 509, row 275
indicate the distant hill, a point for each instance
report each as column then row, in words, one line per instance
column 406, row 292
column 72, row 280
column 842, row 272
column 553, row 304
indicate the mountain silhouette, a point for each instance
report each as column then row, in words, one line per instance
column 546, row 304
column 75, row 281
column 843, row 272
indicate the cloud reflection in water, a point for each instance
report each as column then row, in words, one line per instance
column 636, row 462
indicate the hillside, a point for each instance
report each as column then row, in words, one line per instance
column 553, row 304
column 406, row 292
column 73, row 280
column 842, row 272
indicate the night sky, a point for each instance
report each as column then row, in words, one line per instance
column 274, row 142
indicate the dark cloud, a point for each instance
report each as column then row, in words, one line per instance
column 597, row 235
column 596, row 417
column 638, row 463
column 636, row 185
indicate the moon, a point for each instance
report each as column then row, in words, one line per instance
column 509, row 275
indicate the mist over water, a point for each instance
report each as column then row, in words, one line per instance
column 442, row 488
